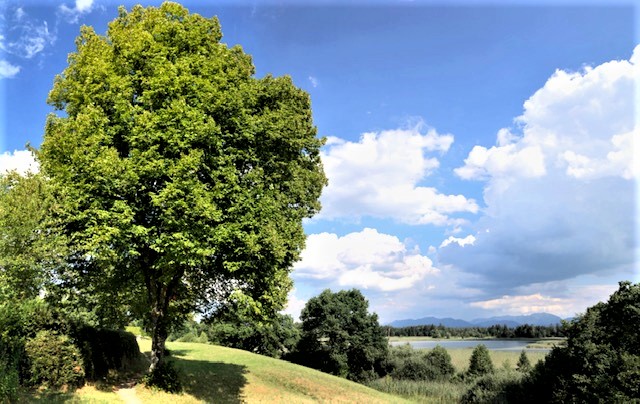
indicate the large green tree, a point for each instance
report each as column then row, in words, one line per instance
column 181, row 177
column 341, row 337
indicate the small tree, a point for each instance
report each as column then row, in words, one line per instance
column 523, row 362
column 439, row 360
column 340, row 337
column 480, row 362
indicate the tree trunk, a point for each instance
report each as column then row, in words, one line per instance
column 160, row 295
column 159, row 333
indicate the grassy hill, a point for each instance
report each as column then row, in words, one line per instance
column 214, row 374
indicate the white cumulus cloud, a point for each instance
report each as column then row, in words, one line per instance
column 72, row 14
column 560, row 196
column 366, row 259
column 381, row 176
column 469, row 240
column 20, row 160
column 7, row 70
column 294, row 305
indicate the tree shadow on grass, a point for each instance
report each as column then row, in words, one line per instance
column 212, row 382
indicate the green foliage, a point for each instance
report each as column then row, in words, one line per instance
column 104, row 350
column 9, row 374
column 181, row 180
column 523, row 363
column 274, row 337
column 165, row 377
column 601, row 361
column 480, row 362
column 406, row 363
column 493, row 388
column 340, row 337
column 28, row 247
column 54, row 361
column 439, row 361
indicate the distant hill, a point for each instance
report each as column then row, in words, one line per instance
column 447, row 322
column 514, row 321
column 510, row 321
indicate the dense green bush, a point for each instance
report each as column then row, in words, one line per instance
column 440, row 365
column 9, row 378
column 494, row 388
column 165, row 378
column 406, row 363
column 105, row 350
column 54, row 361
column 480, row 362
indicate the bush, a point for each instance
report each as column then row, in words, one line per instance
column 412, row 368
column 480, row 362
column 405, row 363
column 9, row 379
column 54, row 361
column 193, row 337
column 440, row 365
column 165, row 377
column 495, row 388
column 523, row 363
column 105, row 350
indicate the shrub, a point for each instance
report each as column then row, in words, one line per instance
column 9, row 380
column 165, row 377
column 412, row 368
column 480, row 362
column 523, row 363
column 494, row 388
column 54, row 361
column 105, row 350
column 440, row 365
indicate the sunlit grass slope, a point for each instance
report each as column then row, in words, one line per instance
column 216, row 374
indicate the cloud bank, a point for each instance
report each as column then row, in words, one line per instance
column 560, row 196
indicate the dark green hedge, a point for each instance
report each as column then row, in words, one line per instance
column 104, row 350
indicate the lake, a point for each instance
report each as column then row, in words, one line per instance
column 492, row 344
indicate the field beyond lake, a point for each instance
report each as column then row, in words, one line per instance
column 493, row 344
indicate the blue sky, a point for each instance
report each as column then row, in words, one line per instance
column 480, row 154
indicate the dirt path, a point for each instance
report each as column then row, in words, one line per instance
column 128, row 395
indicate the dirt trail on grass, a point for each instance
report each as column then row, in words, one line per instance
column 128, row 395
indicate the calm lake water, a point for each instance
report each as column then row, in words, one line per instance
column 492, row 344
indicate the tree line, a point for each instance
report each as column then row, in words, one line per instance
column 494, row 331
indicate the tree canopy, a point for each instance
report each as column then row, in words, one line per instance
column 601, row 361
column 181, row 178
column 340, row 336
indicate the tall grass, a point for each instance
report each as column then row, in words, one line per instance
column 423, row 390
column 451, row 391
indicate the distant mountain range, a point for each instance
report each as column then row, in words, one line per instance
column 510, row 321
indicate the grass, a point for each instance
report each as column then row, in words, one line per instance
column 224, row 375
column 214, row 374
column 460, row 358
column 422, row 391
column 451, row 391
